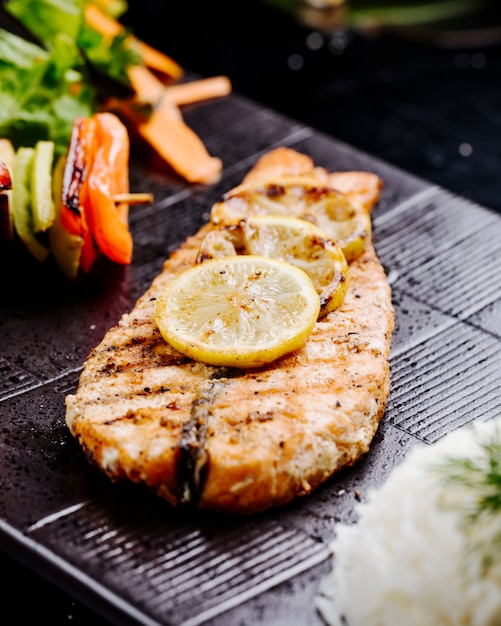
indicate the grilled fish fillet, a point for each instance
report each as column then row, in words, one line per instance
column 232, row 440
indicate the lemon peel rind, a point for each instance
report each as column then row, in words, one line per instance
column 240, row 203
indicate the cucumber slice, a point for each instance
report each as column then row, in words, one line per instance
column 42, row 203
column 21, row 203
column 65, row 246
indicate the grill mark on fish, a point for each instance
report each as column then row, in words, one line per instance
column 112, row 367
column 193, row 456
column 149, row 351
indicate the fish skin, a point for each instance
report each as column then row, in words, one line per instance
column 237, row 441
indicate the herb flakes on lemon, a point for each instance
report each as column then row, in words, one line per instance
column 240, row 311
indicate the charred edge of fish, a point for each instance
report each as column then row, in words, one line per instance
column 193, row 457
column 228, row 372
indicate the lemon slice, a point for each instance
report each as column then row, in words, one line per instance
column 348, row 224
column 289, row 239
column 241, row 311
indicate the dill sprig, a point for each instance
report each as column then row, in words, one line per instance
column 477, row 477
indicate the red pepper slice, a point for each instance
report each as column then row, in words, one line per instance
column 78, row 164
column 89, row 252
column 5, row 182
column 109, row 176
column 6, row 228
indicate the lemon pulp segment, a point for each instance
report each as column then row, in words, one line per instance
column 289, row 239
column 348, row 224
column 241, row 311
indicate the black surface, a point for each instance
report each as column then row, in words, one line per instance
column 411, row 104
column 409, row 101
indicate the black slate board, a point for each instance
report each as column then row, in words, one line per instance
column 127, row 554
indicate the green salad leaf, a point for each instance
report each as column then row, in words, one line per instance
column 47, row 18
column 43, row 89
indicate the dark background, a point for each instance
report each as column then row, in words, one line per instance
column 421, row 99
column 427, row 101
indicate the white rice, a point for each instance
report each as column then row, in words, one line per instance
column 409, row 560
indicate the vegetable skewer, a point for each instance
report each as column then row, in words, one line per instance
column 101, row 66
column 88, row 193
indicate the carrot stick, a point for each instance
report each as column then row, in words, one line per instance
column 109, row 27
column 197, row 90
column 149, row 89
column 158, row 60
column 180, row 146
column 100, row 21
column 165, row 129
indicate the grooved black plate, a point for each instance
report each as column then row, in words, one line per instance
column 169, row 560
column 129, row 555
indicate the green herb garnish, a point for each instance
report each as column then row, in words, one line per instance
column 477, row 480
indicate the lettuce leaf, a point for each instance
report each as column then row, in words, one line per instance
column 43, row 89
column 41, row 92
column 48, row 18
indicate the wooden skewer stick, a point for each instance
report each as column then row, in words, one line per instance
column 133, row 198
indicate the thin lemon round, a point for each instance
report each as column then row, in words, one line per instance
column 348, row 224
column 242, row 311
column 289, row 239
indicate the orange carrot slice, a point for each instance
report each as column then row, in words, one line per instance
column 149, row 89
column 97, row 19
column 178, row 145
column 158, row 60
column 109, row 27
column 145, row 84
column 109, row 176
column 197, row 90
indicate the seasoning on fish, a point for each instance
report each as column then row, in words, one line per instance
column 241, row 440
